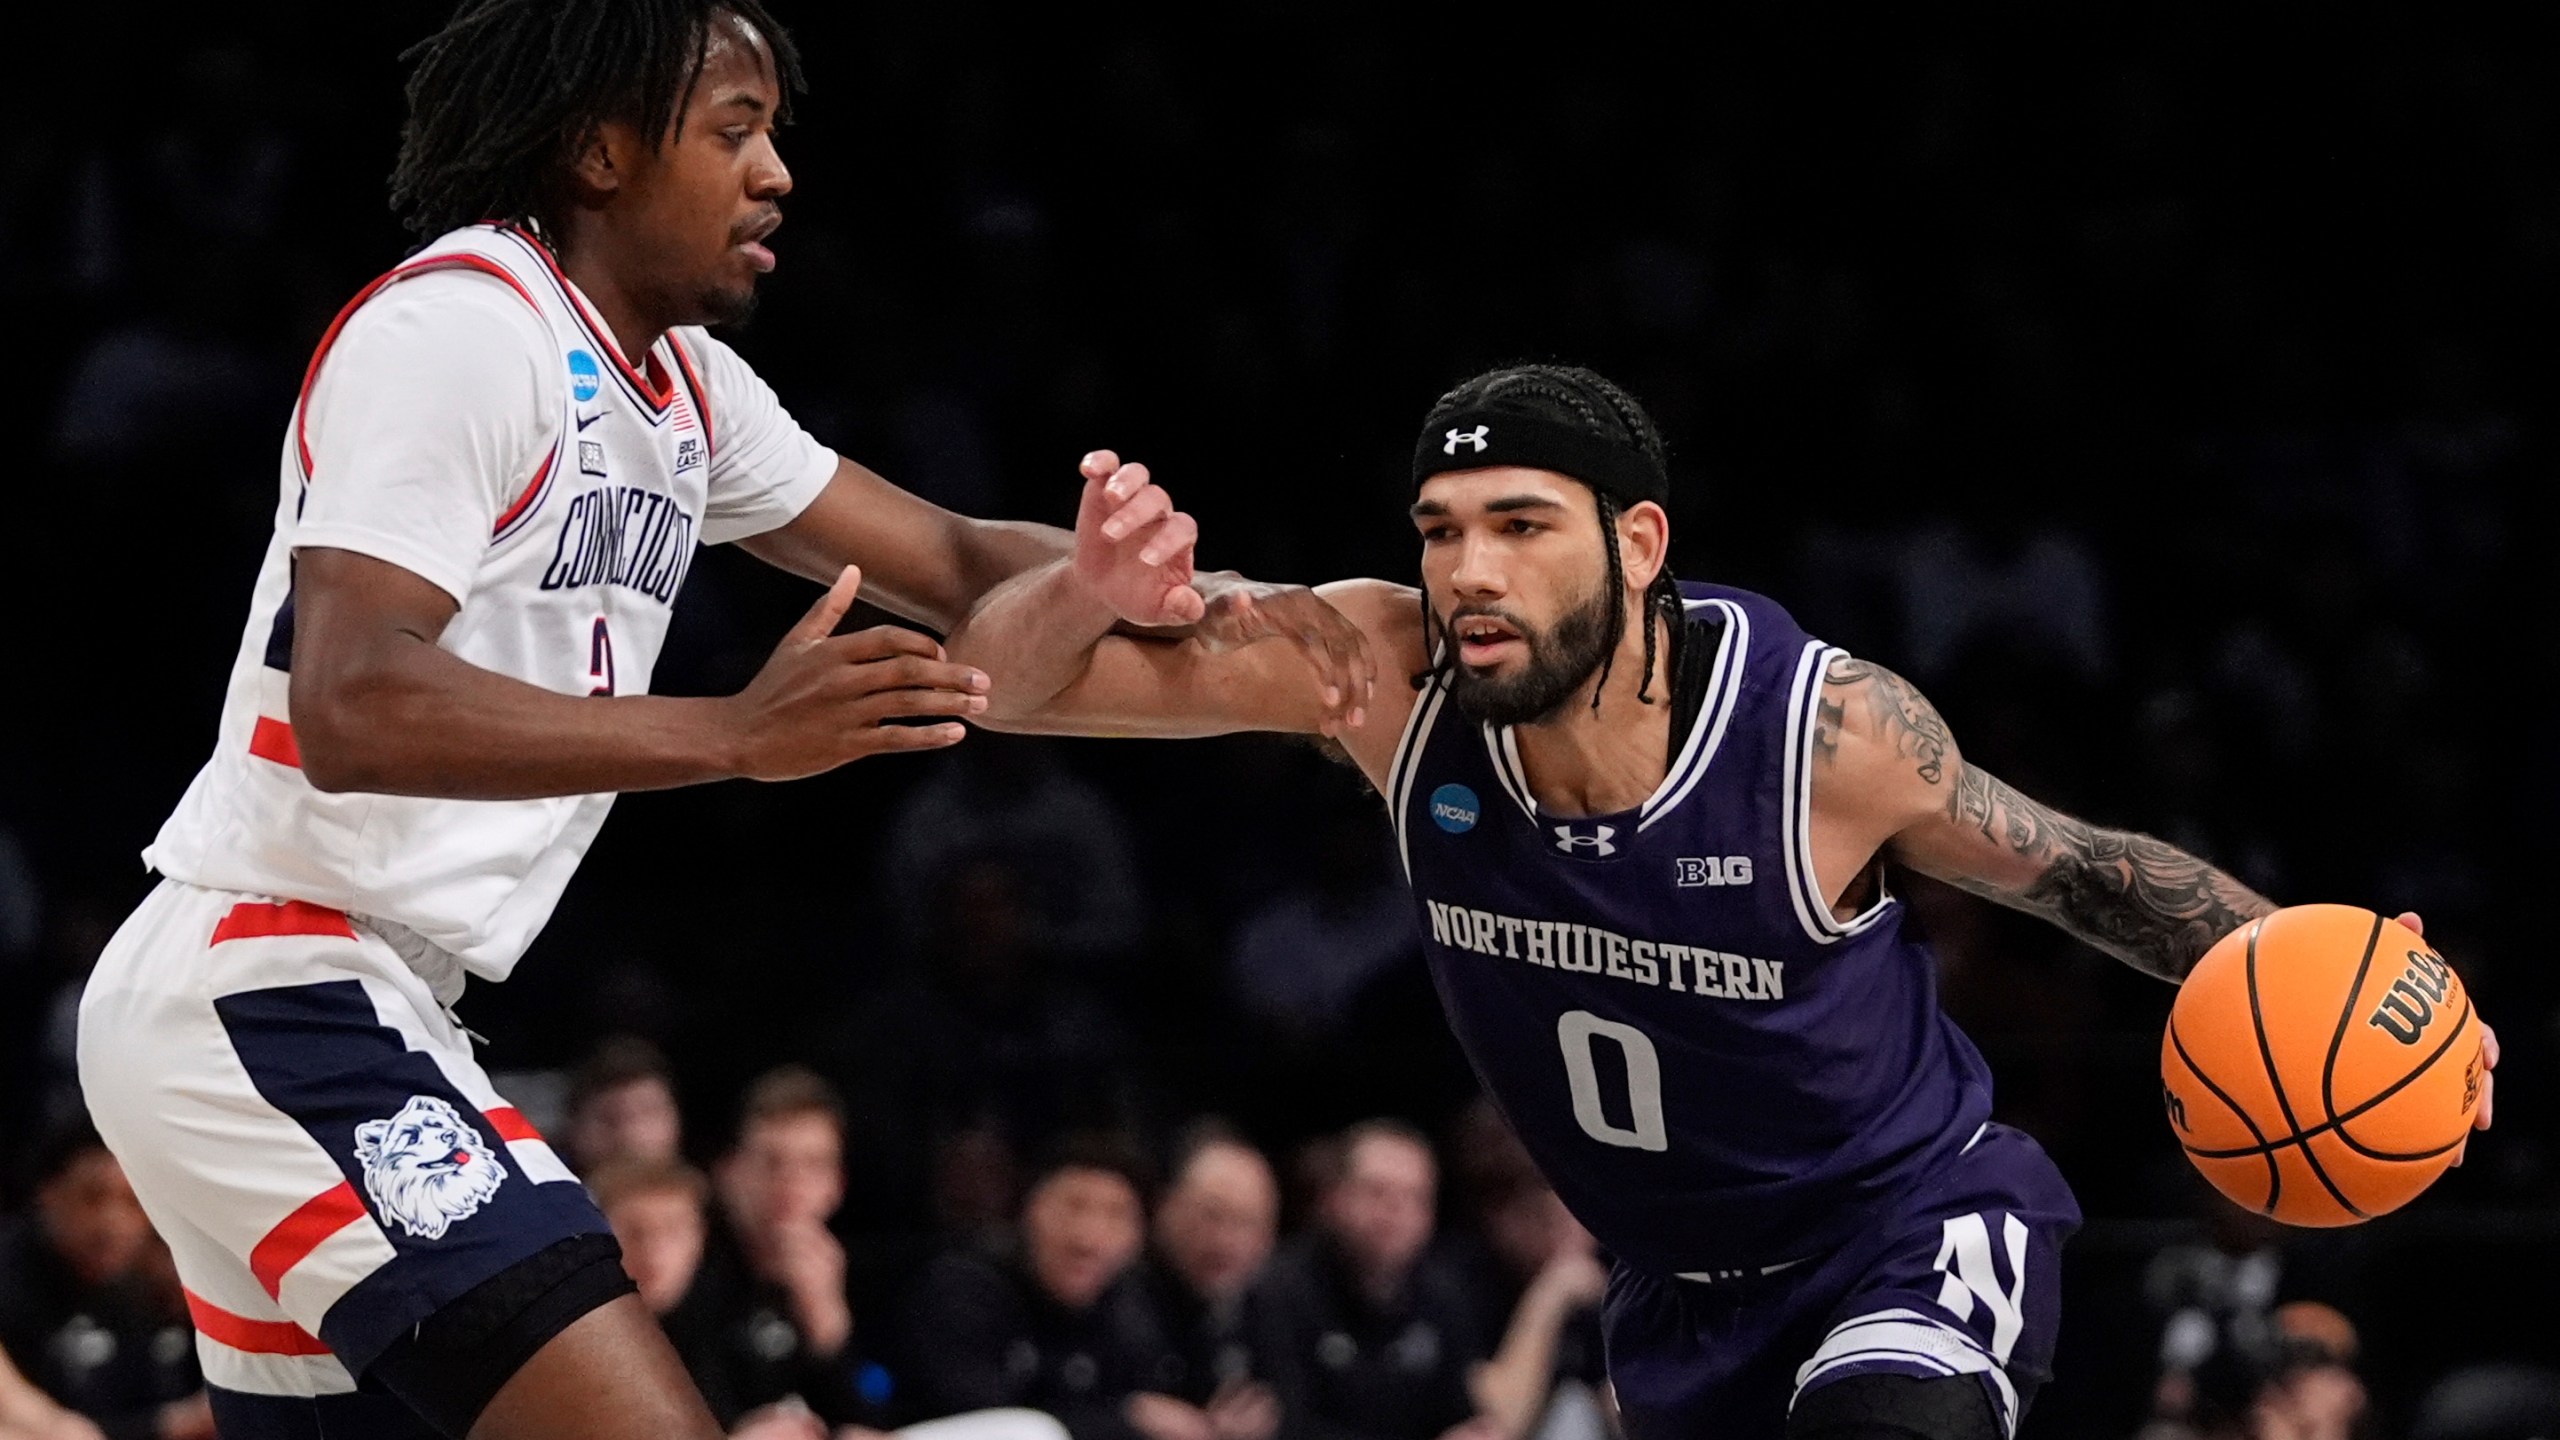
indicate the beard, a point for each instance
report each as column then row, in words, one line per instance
column 1562, row 658
column 727, row 308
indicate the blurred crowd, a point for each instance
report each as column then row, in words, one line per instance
column 2165, row 403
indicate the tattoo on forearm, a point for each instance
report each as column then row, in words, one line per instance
column 2144, row 901
column 1897, row 711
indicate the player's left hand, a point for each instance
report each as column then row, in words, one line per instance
column 1133, row 549
column 1242, row 611
column 2488, row 1050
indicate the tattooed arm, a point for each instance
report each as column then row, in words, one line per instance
column 1889, row 778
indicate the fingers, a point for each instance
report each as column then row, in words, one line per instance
column 823, row 617
column 2488, row 1079
column 1098, row 464
column 1144, row 507
column 2416, row 926
column 893, row 739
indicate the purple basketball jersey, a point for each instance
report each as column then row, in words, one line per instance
column 1714, row 1071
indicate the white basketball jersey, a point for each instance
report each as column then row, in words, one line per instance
column 469, row 419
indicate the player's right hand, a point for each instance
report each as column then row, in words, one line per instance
column 824, row 699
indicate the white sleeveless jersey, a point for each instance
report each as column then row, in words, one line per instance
column 468, row 418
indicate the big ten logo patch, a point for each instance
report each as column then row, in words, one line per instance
column 1691, row 871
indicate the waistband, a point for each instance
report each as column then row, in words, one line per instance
column 1744, row 1276
column 430, row 962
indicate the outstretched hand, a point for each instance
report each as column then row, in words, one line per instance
column 1242, row 611
column 1133, row 549
column 823, row 699
column 2488, row 1050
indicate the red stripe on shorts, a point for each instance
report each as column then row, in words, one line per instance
column 273, row 740
column 256, row 920
column 510, row 1124
column 301, row 1232
column 258, row 1337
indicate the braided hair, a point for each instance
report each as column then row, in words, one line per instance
column 1588, row 401
column 503, row 98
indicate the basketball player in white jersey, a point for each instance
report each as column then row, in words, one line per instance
column 503, row 458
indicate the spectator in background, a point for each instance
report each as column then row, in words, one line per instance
column 767, row 1314
column 1381, row 1332
column 89, row 1304
column 1536, row 1278
column 622, row 1106
column 1214, row 1232
column 659, row 1213
column 27, row 1413
column 1056, row 1326
column 2244, row 1352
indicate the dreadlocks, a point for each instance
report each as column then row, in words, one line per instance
column 1587, row 401
column 506, row 94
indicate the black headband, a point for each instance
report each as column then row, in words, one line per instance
column 1474, row 439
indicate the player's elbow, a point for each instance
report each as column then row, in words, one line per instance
column 337, row 734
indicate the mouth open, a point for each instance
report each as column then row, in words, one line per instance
column 1484, row 640
column 751, row 241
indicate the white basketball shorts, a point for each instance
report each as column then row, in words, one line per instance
column 307, row 1129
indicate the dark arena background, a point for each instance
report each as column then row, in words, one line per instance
column 2163, row 395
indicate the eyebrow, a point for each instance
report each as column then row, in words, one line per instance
column 748, row 98
column 1433, row 509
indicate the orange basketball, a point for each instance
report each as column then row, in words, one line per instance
column 2321, row 1065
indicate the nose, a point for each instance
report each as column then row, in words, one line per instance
column 1474, row 574
column 770, row 179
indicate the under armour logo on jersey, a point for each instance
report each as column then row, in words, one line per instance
column 1597, row 842
column 1691, row 871
column 1474, row 438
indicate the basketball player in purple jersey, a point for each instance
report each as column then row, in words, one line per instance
column 504, row 457
column 1648, row 826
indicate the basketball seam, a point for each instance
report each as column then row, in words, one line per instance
column 2275, row 1081
column 2346, row 1012
column 2338, row 1123
column 2275, row 1175
column 2452, row 1035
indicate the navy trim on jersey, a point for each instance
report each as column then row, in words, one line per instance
column 694, row 387
column 280, row 634
column 653, row 409
column 1813, row 908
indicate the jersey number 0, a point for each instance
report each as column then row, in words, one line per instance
column 1575, row 1032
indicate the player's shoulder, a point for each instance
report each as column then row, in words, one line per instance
column 459, row 312
column 1385, row 611
column 1699, row 593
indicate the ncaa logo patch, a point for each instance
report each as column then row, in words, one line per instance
column 426, row 1168
column 585, row 376
column 1454, row 808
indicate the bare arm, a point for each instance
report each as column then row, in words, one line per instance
column 1205, row 684
column 1512, row 1388
column 1888, row 775
column 378, row 706
column 1034, row 634
column 919, row 560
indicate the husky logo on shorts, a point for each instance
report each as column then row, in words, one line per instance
column 426, row 1168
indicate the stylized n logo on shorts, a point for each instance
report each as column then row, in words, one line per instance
column 1967, row 1248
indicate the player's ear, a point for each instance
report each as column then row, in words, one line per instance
column 598, row 164
column 1644, row 542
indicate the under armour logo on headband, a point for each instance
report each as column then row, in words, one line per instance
column 1473, row 437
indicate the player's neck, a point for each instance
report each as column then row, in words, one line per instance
column 1587, row 762
column 635, row 324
